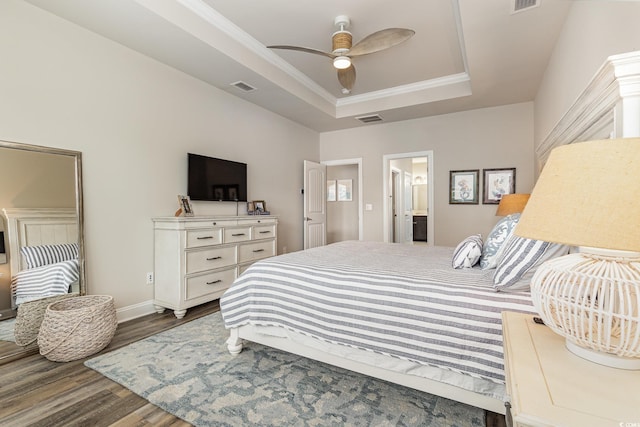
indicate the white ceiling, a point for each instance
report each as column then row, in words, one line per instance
column 465, row 54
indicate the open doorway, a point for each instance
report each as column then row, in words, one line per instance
column 408, row 215
column 344, row 206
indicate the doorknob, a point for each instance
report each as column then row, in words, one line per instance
column 306, row 218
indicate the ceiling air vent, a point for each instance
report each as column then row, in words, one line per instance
column 370, row 119
column 243, row 86
column 522, row 5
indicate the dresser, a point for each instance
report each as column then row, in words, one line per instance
column 197, row 258
column 550, row 386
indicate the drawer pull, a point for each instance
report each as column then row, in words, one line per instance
column 258, row 250
column 205, row 237
column 214, row 282
column 265, row 232
column 238, row 234
column 214, row 258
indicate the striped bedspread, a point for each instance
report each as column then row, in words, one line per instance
column 405, row 301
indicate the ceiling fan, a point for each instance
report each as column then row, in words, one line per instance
column 343, row 50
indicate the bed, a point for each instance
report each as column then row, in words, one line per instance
column 396, row 312
column 43, row 249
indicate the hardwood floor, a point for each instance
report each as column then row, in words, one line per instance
column 37, row 392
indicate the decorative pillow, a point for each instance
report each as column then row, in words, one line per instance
column 520, row 259
column 37, row 256
column 496, row 239
column 468, row 252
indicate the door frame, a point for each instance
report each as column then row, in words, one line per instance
column 358, row 162
column 386, row 183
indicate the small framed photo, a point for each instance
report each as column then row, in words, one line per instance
column 344, row 190
column 185, row 205
column 250, row 208
column 497, row 183
column 331, row 190
column 463, row 187
column 259, row 206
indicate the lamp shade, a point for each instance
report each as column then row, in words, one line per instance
column 587, row 195
column 512, row 203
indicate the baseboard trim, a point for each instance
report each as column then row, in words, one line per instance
column 134, row 311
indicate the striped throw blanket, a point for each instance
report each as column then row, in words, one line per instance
column 400, row 300
column 45, row 281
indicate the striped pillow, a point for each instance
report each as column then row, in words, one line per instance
column 520, row 259
column 468, row 252
column 37, row 256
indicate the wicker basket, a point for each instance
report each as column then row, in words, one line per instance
column 29, row 318
column 77, row 327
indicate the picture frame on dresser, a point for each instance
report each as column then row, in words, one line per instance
column 497, row 183
column 259, row 206
column 185, row 205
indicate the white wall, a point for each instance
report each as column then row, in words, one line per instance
column 134, row 120
column 486, row 138
column 593, row 31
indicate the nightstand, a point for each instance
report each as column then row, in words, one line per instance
column 549, row 386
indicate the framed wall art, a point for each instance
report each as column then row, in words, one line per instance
column 496, row 183
column 331, row 190
column 463, row 187
column 344, row 190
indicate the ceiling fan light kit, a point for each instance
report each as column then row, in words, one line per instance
column 343, row 51
column 342, row 62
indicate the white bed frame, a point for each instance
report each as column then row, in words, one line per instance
column 608, row 107
column 253, row 333
column 38, row 226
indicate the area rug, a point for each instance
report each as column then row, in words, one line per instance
column 6, row 330
column 188, row 372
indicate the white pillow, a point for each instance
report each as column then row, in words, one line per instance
column 496, row 240
column 468, row 252
column 37, row 256
column 520, row 259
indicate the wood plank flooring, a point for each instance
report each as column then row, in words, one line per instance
column 37, row 392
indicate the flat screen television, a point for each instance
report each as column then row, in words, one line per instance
column 216, row 179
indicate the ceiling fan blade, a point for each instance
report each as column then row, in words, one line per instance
column 303, row 49
column 381, row 40
column 347, row 77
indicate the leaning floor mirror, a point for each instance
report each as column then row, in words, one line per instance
column 41, row 239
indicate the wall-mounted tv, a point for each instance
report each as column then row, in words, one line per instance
column 216, row 179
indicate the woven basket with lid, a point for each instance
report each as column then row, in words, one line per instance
column 77, row 327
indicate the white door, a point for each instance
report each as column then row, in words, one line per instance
column 315, row 204
column 407, row 195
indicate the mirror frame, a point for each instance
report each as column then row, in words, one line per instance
column 77, row 155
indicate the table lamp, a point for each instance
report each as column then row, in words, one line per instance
column 512, row 203
column 587, row 196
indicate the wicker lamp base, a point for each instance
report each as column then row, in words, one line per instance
column 592, row 298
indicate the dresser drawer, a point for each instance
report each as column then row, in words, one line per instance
column 257, row 221
column 197, row 238
column 263, row 232
column 253, row 251
column 238, row 234
column 208, row 223
column 208, row 259
column 199, row 286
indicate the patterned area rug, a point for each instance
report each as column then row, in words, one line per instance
column 6, row 330
column 188, row 372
